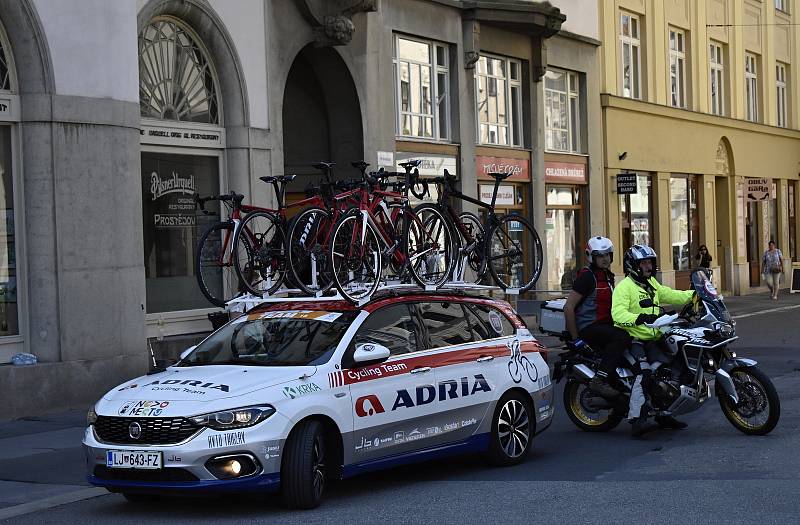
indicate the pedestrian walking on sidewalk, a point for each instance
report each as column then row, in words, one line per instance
column 772, row 268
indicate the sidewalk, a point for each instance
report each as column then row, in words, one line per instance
column 42, row 463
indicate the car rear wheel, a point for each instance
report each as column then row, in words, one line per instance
column 512, row 430
column 304, row 469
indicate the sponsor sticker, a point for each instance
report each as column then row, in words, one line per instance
column 228, row 439
column 496, row 322
column 326, row 317
column 143, row 408
column 293, row 392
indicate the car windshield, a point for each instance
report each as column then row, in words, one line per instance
column 282, row 338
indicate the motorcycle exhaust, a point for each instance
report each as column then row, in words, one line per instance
column 584, row 371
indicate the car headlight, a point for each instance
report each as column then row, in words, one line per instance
column 235, row 418
column 91, row 416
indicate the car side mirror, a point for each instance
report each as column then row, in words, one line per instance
column 186, row 352
column 370, row 352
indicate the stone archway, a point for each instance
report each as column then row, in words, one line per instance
column 726, row 213
column 321, row 115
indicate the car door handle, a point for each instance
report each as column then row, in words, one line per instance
column 484, row 358
column 421, row 370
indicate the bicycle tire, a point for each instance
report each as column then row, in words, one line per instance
column 345, row 263
column 303, row 241
column 475, row 262
column 429, row 246
column 265, row 269
column 497, row 244
column 215, row 275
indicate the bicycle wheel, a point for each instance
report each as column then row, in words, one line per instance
column 429, row 246
column 470, row 266
column 307, row 250
column 355, row 257
column 515, row 253
column 263, row 272
column 213, row 264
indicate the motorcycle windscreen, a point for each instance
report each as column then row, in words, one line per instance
column 708, row 294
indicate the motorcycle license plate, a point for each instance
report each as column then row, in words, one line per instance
column 136, row 459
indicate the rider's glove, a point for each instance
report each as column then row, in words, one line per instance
column 646, row 319
column 577, row 344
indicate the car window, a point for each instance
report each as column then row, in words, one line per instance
column 480, row 328
column 392, row 327
column 446, row 324
column 496, row 322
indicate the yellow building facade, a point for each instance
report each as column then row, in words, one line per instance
column 701, row 121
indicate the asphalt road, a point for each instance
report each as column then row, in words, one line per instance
column 708, row 473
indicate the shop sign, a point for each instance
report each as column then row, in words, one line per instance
column 758, row 189
column 505, row 194
column 569, row 172
column 9, row 109
column 172, row 197
column 626, row 184
column 194, row 137
column 519, row 168
column 432, row 165
column 386, row 159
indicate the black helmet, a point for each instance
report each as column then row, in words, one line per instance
column 633, row 258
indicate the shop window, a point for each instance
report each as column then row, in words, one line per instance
column 751, row 86
column 677, row 68
column 773, row 215
column 631, row 43
column 717, row 77
column 422, row 88
column 636, row 214
column 176, row 81
column 499, row 101
column 684, row 221
column 562, row 116
column 563, row 235
column 171, row 228
column 792, row 205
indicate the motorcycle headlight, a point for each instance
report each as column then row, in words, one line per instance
column 235, row 418
column 91, row 416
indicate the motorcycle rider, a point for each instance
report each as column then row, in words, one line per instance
column 635, row 302
column 587, row 313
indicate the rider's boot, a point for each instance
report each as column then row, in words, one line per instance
column 641, row 426
column 599, row 385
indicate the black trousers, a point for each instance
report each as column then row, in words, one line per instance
column 610, row 341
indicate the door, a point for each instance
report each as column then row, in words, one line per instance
column 393, row 401
column 753, row 253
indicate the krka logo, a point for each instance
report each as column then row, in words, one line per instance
column 175, row 184
column 300, row 390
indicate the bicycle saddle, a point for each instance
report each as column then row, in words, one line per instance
column 410, row 164
column 324, row 166
column 501, row 176
column 278, row 178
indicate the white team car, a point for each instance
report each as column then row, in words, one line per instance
column 295, row 393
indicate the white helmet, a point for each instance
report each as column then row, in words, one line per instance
column 599, row 246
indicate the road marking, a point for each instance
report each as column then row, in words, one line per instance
column 54, row 501
column 771, row 310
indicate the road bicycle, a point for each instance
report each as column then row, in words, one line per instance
column 414, row 242
column 215, row 255
column 506, row 246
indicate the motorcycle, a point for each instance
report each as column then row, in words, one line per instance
column 695, row 352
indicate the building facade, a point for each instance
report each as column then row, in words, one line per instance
column 701, row 132
column 107, row 133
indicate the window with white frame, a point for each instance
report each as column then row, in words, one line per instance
column 717, row 78
column 422, row 88
column 499, row 101
column 677, row 68
column 751, row 86
column 562, row 111
column 782, row 5
column 629, row 37
column 780, row 84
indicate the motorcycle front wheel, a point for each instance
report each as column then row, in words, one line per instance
column 759, row 407
column 586, row 417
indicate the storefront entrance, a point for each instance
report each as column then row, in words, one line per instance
column 751, row 238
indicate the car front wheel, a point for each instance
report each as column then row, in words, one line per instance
column 304, row 469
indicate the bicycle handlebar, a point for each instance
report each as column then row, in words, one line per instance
column 200, row 202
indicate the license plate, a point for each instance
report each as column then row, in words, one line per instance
column 138, row 459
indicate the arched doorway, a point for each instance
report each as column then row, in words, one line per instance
column 725, row 197
column 321, row 116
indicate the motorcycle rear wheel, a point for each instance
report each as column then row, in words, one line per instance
column 586, row 418
column 758, row 400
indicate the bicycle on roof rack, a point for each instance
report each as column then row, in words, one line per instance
column 497, row 245
column 416, row 243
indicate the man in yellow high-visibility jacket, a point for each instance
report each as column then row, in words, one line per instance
column 634, row 304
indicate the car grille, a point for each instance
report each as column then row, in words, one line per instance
column 155, row 430
column 167, row 474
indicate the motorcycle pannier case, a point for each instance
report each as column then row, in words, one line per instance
column 551, row 317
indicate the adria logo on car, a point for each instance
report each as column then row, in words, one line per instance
column 448, row 389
